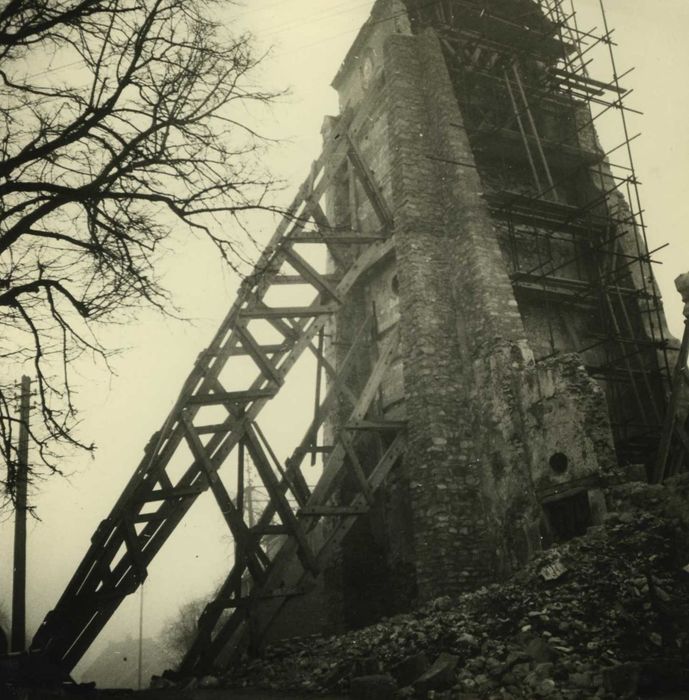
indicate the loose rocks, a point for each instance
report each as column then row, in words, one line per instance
column 609, row 620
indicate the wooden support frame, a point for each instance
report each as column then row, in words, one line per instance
column 118, row 557
column 211, row 649
column 279, row 500
column 256, row 557
column 372, row 192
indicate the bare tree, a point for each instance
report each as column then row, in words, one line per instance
column 140, row 129
column 180, row 631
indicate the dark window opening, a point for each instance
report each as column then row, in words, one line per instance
column 395, row 285
column 559, row 463
column 567, row 517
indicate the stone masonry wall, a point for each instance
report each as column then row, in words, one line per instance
column 452, row 542
column 484, row 419
column 510, row 429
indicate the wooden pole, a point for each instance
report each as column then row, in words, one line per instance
column 18, row 642
column 250, row 497
column 238, row 554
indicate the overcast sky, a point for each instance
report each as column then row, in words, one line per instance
column 308, row 40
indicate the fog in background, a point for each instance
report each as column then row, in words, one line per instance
column 306, row 43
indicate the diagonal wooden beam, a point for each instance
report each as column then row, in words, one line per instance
column 255, row 351
column 311, row 275
column 277, row 497
column 131, row 540
column 220, row 647
column 319, row 216
column 233, row 518
column 365, row 177
column 331, row 472
column 342, row 387
column 354, row 465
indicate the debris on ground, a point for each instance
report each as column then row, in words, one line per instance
column 605, row 615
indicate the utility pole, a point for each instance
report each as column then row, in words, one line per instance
column 141, row 636
column 18, row 642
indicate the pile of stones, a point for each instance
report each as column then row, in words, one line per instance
column 605, row 615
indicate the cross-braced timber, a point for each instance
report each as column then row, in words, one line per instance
column 154, row 502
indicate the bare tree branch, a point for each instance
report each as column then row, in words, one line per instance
column 146, row 132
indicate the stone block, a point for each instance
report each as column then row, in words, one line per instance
column 539, row 650
column 410, row 669
column 440, row 675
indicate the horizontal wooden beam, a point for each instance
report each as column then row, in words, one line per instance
column 274, row 594
column 320, row 449
column 352, row 239
column 169, row 494
column 270, row 348
column 148, row 518
column 286, row 312
column 269, row 530
column 333, row 510
column 298, row 279
column 212, row 429
column 230, row 396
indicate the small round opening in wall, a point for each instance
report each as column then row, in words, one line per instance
column 559, row 462
column 395, row 285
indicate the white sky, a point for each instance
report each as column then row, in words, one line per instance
column 120, row 412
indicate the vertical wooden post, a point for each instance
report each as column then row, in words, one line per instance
column 238, row 553
column 250, row 497
column 18, row 642
column 317, row 398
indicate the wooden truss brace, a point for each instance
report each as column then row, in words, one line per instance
column 155, row 501
column 217, row 644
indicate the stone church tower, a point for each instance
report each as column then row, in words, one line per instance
column 533, row 357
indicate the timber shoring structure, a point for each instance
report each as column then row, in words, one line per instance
column 154, row 501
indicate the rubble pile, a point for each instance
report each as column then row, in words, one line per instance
column 605, row 615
